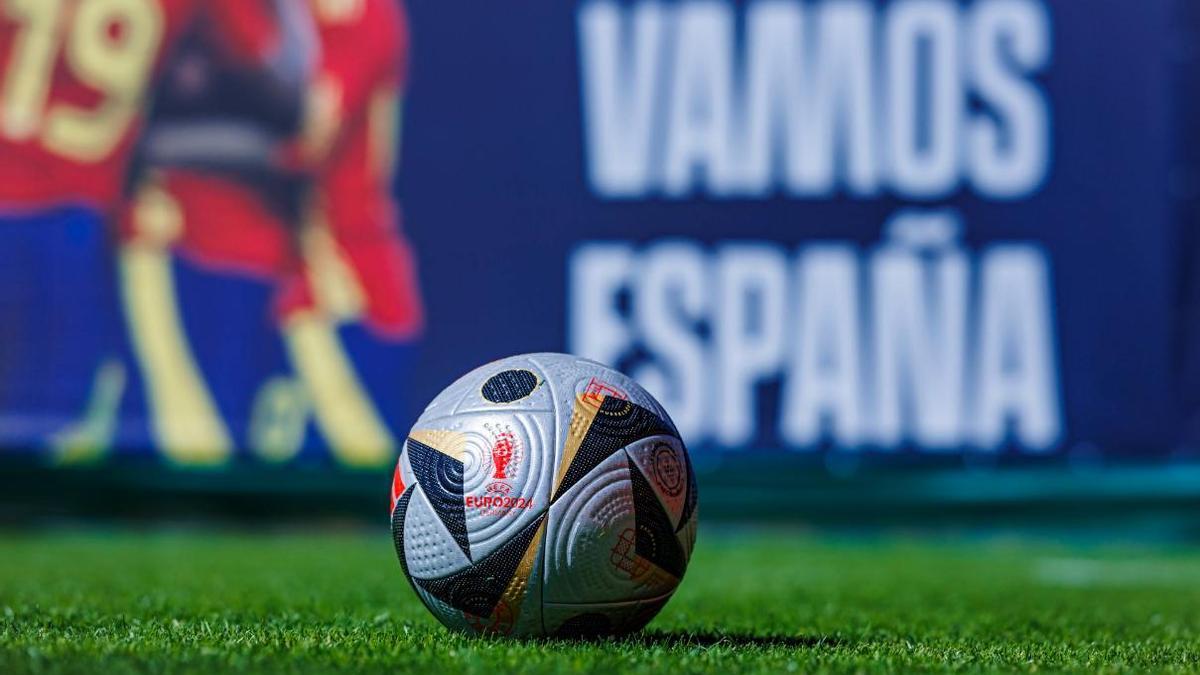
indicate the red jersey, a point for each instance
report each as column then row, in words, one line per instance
column 351, row 138
column 74, row 75
column 351, row 143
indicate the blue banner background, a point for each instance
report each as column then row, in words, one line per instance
column 496, row 197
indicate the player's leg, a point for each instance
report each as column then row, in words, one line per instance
column 199, row 320
column 356, row 383
column 354, row 349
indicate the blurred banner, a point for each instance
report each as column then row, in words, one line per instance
column 902, row 228
column 915, row 225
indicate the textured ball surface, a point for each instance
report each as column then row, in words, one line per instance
column 544, row 494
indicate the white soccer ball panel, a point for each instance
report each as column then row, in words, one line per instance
column 429, row 549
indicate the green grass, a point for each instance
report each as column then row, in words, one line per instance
column 780, row 601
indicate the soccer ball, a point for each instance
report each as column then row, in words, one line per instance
column 544, row 494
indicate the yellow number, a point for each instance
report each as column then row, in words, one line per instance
column 119, row 68
column 110, row 47
column 31, row 67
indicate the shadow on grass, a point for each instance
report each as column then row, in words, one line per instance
column 703, row 639
column 677, row 639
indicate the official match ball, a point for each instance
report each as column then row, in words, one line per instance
column 544, row 494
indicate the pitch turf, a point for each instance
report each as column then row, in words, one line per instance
column 202, row 603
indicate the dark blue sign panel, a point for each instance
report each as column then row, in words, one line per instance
column 917, row 225
column 904, row 227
